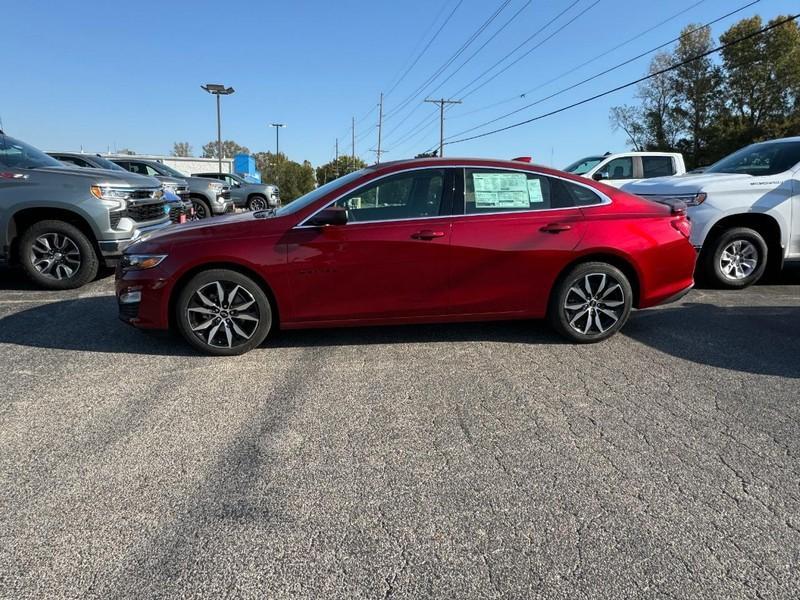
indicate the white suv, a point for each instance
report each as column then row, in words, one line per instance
column 745, row 210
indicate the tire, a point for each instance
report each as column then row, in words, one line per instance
column 201, row 209
column 212, row 326
column 257, row 202
column 57, row 256
column 735, row 259
column 590, row 315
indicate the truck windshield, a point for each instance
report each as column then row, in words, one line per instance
column 19, row 155
column 104, row 163
column 167, row 170
column 584, row 165
column 768, row 158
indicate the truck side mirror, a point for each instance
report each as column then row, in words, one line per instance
column 600, row 175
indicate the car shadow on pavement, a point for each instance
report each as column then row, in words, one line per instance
column 91, row 324
column 762, row 340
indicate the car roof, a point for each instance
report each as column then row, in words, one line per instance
column 448, row 161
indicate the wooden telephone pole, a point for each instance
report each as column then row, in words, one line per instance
column 441, row 102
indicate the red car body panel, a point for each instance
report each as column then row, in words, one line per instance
column 472, row 267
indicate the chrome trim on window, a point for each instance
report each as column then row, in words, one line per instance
column 602, row 197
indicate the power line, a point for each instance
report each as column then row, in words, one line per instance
column 419, row 90
column 425, row 49
column 631, row 83
column 441, row 102
column 606, row 71
column 527, row 40
column 595, row 58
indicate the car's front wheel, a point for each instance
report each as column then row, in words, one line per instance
column 223, row 312
column 201, row 209
column 591, row 303
column 736, row 259
column 57, row 255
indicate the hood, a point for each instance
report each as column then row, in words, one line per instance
column 171, row 180
column 227, row 227
column 682, row 184
column 104, row 176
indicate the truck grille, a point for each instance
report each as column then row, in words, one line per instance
column 141, row 194
column 146, row 212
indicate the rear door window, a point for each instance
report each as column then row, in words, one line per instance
column 495, row 191
column 657, row 166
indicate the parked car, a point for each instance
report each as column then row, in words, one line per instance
column 209, row 197
column 61, row 224
column 626, row 167
column 414, row 241
column 176, row 191
column 745, row 210
column 254, row 196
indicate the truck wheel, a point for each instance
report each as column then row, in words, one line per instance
column 201, row 209
column 57, row 256
column 736, row 259
column 257, row 202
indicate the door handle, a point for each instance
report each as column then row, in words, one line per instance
column 427, row 234
column 555, row 227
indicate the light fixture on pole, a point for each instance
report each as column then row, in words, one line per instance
column 218, row 90
column 277, row 127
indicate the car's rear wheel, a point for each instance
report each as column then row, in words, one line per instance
column 591, row 302
column 57, row 255
column 201, row 209
column 737, row 258
column 255, row 203
column 223, row 312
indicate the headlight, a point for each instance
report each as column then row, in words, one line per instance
column 114, row 198
column 216, row 187
column 139, row 262
column 169, row 187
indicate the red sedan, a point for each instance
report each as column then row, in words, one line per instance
column 411, row 242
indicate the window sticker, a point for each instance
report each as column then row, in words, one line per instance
column 535, row 191
column 501, row 190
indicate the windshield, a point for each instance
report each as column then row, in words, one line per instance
column 167, row 170
column 767, row 158
column 584, row 165
column 19, row 155
column 104, row 163
column 318, row 193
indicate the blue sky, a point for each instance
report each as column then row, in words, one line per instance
column 105, row 75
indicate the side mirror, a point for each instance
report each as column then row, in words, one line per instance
column 600, row 175
column 333, row 215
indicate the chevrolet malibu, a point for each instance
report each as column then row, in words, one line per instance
column 416, row 241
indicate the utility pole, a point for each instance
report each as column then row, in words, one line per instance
column 441, row 102
column 380, row 127
column 354, row 144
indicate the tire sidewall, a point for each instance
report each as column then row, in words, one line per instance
column 725, row 239
column 257, row 198
column 558, row 316
column 89, row 261
column 204, row 205
column 201, row 279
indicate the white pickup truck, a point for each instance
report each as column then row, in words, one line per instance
column 745, row 210
column 627, row 167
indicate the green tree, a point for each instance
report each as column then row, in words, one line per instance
column 336, row 168
column 229, row 149
column 292, row 178
column 181, row 149
column 696, row 90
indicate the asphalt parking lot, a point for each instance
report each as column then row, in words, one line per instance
column 458, row 461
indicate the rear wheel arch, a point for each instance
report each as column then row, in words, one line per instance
column 623, row 264
column 232, row 266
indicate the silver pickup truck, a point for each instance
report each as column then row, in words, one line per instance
column 61, row 224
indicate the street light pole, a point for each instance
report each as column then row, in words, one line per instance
column 277, row 127
column 218, row 90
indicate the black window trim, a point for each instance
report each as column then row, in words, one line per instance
column 456, row 191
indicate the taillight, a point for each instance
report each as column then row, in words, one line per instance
column 683, row 226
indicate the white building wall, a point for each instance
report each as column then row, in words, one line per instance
column 185, row 164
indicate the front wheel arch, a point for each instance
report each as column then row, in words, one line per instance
column 233, row 266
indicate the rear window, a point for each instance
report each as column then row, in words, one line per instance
column 657, row 166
